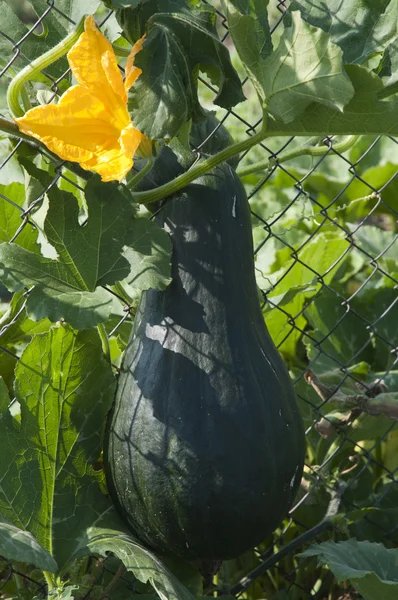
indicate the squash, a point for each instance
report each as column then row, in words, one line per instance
column 205, row 443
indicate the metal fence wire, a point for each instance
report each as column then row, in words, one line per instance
column 319, row 327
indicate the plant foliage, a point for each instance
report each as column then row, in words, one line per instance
column 75, row 254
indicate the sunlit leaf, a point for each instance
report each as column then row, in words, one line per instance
column 250, row 31
column 305, row 68
column 364, row 114
column 48, row 486
column 359, row 28
column 12, row 201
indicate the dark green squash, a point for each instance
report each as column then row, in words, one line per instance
column 205, row 443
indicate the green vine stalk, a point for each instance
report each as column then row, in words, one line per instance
column 314, row 151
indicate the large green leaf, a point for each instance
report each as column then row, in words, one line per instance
column 167, row 84
column 145, row 565
column 55, row 295
column 110, row 247
column 250, row 31
column 91, row 252
column 305, row 68
column 179, row 41
column 364, row 114
column 371, row 568
column 21, row 546
column 359, row 27
column 88, row 256
column 48, row 486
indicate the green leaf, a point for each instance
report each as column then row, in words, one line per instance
column 22, row 546
column 12, row 199
column 115, row 4
column 4, row 397
column 376, row 242
column 16, row 328
column 323, row 254
column 364, row 114
column 10, row 171
column 88, row 256
column 304, row 69
column 168, row 86
column 371, row 568
column 65, row 389
column 249, row 29
column 368, row 427
column 377, row 177
column 341, row 332
column 7, row 366
column 64, row 593
column 145, row 565
column 56, row 294
column 379, row 307
column 74, row 9
column 149, row 255
column 375, row 24
column 388, row 70
column 179, row 41
column 92, row 252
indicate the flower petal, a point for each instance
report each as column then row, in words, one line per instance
column 74, row 128
column 115, row 163
column 132, row 72
column 91, row 124
column 130, row 139
column 93, row 63
column 111, row 165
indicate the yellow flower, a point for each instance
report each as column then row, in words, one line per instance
column 91, row 124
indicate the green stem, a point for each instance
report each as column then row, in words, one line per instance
column 388, row 91
column 132, row 181
column 119, row 51
column 49, row 580
column 25, row 100
column 120, row 290
column 303, row 151
column 31, row 70
column 200, row 168
column 106, row 349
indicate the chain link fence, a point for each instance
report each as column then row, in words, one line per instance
column 326, row 263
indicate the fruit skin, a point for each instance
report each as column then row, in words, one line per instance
column 205, row 443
